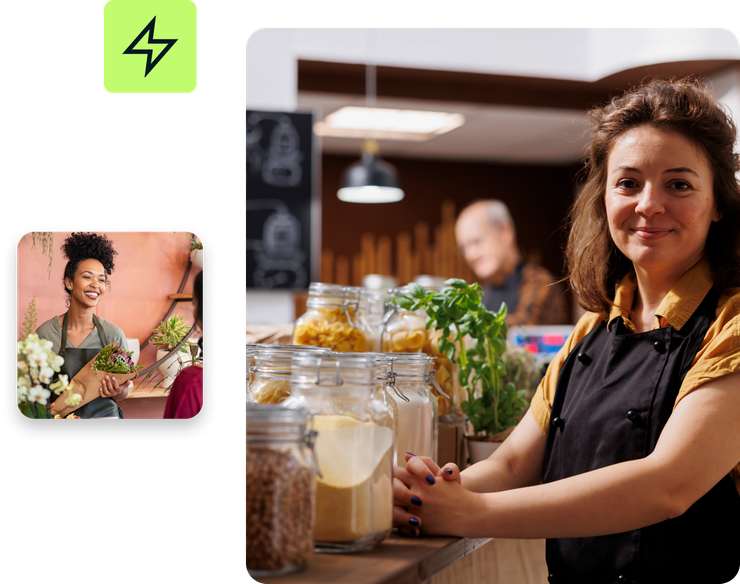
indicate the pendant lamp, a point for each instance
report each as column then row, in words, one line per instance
column 370, row 180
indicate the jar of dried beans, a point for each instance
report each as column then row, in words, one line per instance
column 332, row 320
column 280, row 490
column 354, row 446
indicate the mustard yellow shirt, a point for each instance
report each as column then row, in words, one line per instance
column 718, row 354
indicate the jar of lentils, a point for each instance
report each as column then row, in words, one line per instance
column 281, row 496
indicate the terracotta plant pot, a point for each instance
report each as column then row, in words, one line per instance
column 481, row 447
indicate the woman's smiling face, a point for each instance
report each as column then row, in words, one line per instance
column 89, row 282
column 659, row 199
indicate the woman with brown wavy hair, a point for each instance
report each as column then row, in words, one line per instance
column 685, row 108
column 627, row 459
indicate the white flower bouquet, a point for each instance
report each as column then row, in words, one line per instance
column 37, row 367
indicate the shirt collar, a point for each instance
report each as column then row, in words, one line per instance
column 678, row 305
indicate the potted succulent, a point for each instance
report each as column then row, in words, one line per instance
column 474, row 338
column 166, row 337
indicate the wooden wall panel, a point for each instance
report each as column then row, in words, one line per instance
column 420, row 229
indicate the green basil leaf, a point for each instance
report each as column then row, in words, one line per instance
column 404, row 302
column 416, row 290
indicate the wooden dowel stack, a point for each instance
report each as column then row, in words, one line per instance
column 440, row 258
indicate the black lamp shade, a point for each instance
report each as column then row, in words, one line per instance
column 370, row 180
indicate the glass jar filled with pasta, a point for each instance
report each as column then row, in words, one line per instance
column 252, row 349
column 281, row 490
column 418, row 414
column 271, row 369
column 354, row 446
column 332, row 320
column 405, row 331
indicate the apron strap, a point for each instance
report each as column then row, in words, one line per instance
column 101, row 333
column 65, row 323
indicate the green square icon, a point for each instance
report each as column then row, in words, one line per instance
column 150, row 46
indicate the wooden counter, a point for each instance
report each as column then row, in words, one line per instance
column 398, row 560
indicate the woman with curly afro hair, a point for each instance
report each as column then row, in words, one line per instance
column 78, row 334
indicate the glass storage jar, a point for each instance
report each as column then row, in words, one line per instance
column 280, row 490
column 271, row 372
column 354, row 495
column 251, row 350
column 418, row 416
column 405, row 331
column 332, row 320
column 372, row 310
column 383, row 393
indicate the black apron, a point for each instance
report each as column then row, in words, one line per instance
column 76, row 359
column 614, row 395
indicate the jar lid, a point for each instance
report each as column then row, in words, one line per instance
column 431, row 282
column 276, row 359
column 379, row 283
column 273, row 421
column 279, row 350
column 261, row 412
column 333, row 295
column 256, row 347
column 416, row 367
column 334, row 369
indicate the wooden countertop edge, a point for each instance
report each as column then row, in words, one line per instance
column 435, row 562
column 398, row 560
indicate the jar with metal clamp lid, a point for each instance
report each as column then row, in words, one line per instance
column 271, row 372
column 387, row 394
column 354, row 496
column 405, row 331
column 371, row 311
column 331, row 320
column 280, row 490
column 418, row 416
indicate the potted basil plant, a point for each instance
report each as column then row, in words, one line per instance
column 493, row 407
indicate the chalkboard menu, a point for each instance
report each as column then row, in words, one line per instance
column 279, row 192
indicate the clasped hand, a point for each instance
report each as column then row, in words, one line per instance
column 429, row 499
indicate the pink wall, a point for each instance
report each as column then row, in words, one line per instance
column 148, row 268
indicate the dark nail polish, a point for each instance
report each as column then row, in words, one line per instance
column 430, row 479
column 416, row 501
column 448, row 471
column 414, row 521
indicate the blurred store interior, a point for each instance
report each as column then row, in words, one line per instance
column 523, row 95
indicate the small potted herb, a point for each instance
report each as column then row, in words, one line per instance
column 166, row 337
column 492, row 406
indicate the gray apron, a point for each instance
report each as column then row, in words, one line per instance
column 76, row 359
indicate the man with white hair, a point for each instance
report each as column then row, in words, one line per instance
column 486, row 237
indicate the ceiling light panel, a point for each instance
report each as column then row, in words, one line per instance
column 388, row 124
